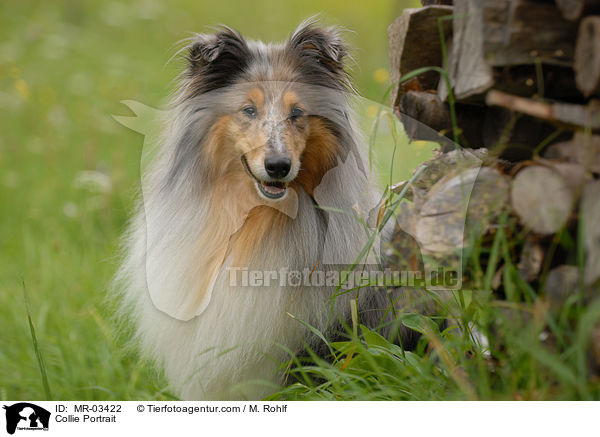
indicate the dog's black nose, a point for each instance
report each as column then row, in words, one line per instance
column 278, row 166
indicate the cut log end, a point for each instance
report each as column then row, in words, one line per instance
column 587, row 56
column 542, row 199
column 573, row 9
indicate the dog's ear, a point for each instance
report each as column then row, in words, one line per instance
column 226, row 44
column 216, row 59
column 319, row 45
column 204, row 49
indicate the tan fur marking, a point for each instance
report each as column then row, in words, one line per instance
column 290, row 98
column 256, row 96
column 216, row 154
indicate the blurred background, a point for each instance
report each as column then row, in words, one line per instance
column 69, row 171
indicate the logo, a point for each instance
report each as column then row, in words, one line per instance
column 26, row 416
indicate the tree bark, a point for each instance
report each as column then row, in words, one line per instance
column 428, row 109
column 500, row 33
column 414, row 42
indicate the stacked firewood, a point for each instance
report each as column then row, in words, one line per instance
column 517, row 82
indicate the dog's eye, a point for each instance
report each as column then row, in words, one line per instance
column 249, row 111
column 296, row 113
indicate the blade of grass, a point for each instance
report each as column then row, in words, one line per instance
column 314, row 331
column 36, row 347
column 445, row 74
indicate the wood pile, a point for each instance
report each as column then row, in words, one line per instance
column 516, row 82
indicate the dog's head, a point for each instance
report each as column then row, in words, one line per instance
column 277, row 110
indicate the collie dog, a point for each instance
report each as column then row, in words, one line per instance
column 259, row 193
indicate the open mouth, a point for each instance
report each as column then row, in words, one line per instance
column 272, row 190
column 269, row 189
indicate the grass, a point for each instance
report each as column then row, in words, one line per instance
column 68, row 173
column 503, row 342
column 36, row 347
